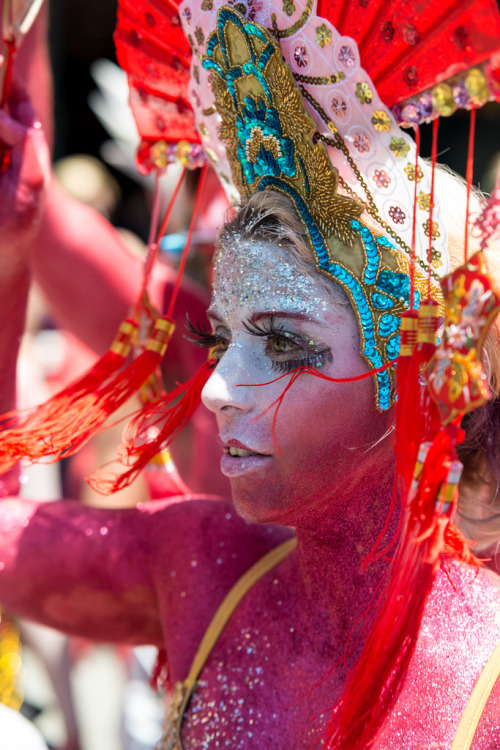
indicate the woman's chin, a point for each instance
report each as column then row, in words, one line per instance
column 261, row 504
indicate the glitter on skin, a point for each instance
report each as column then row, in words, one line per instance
column 319, row 423
column 247, row 272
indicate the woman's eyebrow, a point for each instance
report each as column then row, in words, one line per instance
column 256, row 316
column 278, row 314
column 211, row 314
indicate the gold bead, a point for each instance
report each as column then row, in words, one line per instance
column 159, row 155
column 476, row 86
column 442, row 99
column 183, row 152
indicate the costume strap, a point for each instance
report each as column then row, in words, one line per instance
column 477, row 702
column 184, row 690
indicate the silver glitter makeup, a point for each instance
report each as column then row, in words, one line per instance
column 252, row 273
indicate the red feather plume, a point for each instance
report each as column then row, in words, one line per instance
column 407, row 47
column 153, row 50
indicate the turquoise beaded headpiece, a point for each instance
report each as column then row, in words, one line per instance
column 270, row 145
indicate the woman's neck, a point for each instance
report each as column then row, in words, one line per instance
column 338, row 576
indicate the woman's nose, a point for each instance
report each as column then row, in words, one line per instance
column 222, row 391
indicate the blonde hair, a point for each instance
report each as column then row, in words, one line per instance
column 270, row 216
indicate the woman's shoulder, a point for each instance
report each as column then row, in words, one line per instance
column 465, row 601
column 205, row 536
column 459, row 633
column 199, row 548
column 212, row 517
column 461, row 624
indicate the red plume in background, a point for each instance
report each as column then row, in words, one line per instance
column 153, row 50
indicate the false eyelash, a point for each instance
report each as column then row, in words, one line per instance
column 201, row 336
column 265, row 328
column 311, row 360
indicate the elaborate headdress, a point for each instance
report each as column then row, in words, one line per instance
column 284, row 100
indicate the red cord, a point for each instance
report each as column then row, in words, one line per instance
column 435, row 126
column 10, row 44
column 171, row 204
column 5, row 151
column 188, row 243
column 468, row 178
column 319, row 374
column 154, row 245
column 414, row 223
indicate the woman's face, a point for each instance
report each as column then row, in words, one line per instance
column 269, row 318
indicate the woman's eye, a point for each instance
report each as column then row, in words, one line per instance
column 288, row 351
column 282, row 344
column 219, row 348
column 216, row 342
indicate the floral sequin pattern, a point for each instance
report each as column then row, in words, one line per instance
column 424, row 201
column 436, row 257
column 381, row 178
column 414, row 173
column 361, row 143
column 364, row 92
column 248, row 8
column 411, row 34
column 339, row 107
column 434, row 228
column 323, row 35
column 346, row 57
column 399, row 146
column 199, row 35
column 381, row 120
column 397, row 215
column 301, row 56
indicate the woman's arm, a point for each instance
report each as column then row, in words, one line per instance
column 24, row 169
column 81, row 570
column 88, row 277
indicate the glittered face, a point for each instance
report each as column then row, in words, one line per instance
column 268, row 319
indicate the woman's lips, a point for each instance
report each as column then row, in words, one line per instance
column 238, row 458
column 241, row 452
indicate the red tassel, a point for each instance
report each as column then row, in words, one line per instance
column 173, row 411
column 408, row 415
column 41, row 432
column 414, row 415
column 428, row 533
column 69, row 429
column 160, row 676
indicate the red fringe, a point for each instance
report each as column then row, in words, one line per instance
column 143, row 438
column 417, row 418
column 35, row 435
column 70, row 428
column 409, row 420
column 160, row 676
column 428, row 533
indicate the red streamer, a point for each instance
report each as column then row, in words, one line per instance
column 188, row 242
column 468, row 178
column 435, row 127
column 414, row 222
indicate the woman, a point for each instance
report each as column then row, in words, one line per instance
column 323, row 462
column 280, row 663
